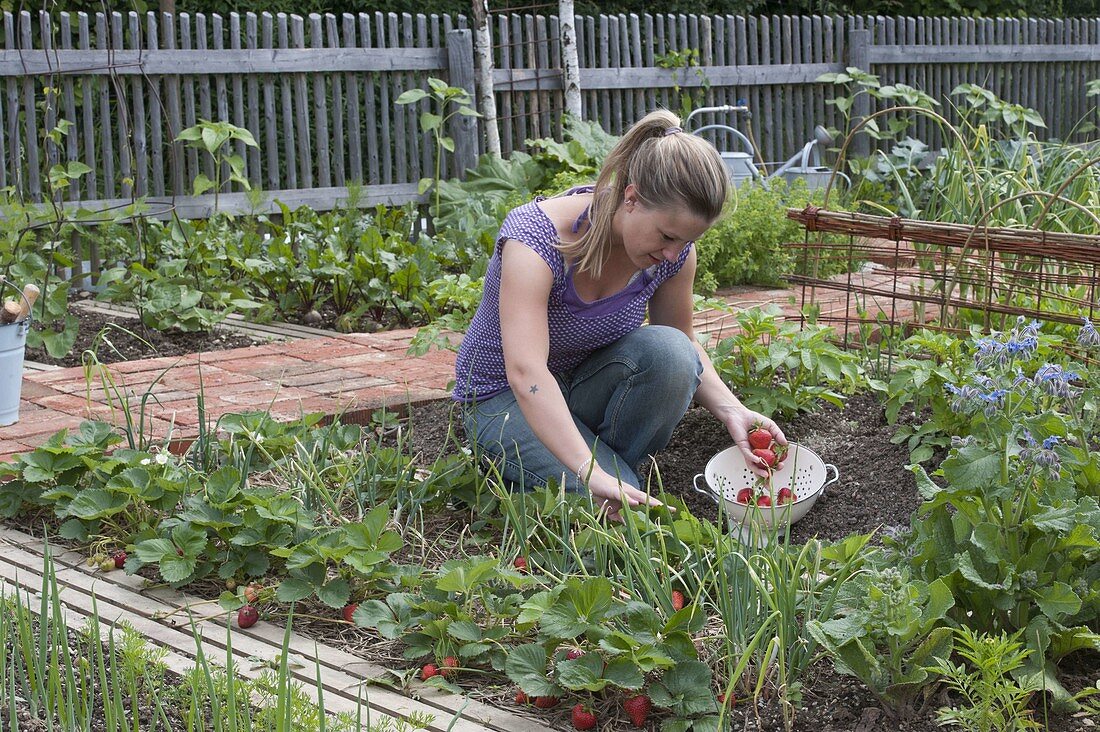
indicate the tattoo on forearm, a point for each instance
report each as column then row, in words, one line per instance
column 534, row 388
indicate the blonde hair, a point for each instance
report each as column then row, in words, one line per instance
column 668, row 167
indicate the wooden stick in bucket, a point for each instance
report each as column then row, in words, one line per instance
column 30, row 294
column 10, row 312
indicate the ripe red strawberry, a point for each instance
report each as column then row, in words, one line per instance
column 764, row 501
column 767, row 456
column 722, row 700
column 448, row 668
column 760, row 438
column 677, row 600
column 637, row 708
column 744, row 496
column 120, row 559
column 247, row 616
column 546, row 702
column 583, row 718
column 428, row 670
column 349, row 611
column 574, row 653
column 521, row 697
column 785, row 495
column 520, row 563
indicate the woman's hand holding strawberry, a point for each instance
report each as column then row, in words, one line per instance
column 759, row 438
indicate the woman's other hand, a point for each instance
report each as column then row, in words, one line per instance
column 611, row 496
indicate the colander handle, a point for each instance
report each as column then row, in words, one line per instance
column 707, row 493
column 835, row 478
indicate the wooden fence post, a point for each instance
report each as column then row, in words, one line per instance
column 460, row 61
column 859, row 56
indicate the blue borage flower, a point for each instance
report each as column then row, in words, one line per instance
column 1052, row 379
column 1088, row 336
column 1044, row 455
column 969, row 398
column 1000, row 348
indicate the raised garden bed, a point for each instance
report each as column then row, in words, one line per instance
column 129, row 340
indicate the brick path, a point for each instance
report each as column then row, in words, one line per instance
column 346, row 374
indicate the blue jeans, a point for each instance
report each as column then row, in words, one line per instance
column 626, row 399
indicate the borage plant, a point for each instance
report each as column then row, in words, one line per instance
column 1014, row 527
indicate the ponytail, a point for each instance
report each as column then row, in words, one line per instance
column 668, row 167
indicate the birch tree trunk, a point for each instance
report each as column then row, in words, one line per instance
column 572, row 76
column 483, row 58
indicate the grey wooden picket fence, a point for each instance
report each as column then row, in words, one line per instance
column 318, row 93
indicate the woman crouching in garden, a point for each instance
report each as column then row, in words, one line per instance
column 558, row 375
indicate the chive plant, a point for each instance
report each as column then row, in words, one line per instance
column 118, row 681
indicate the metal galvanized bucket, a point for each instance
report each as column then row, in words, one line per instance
column 13, row 343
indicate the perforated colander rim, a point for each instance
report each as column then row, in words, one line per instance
column 729, row 491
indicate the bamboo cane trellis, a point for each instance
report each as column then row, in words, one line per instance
column 946, row 276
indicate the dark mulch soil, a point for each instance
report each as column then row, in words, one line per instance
column 114, row 344
column 874, row 491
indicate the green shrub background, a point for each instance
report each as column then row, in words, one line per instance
column 750, row 244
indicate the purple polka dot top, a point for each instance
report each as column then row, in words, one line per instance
column 577, row 328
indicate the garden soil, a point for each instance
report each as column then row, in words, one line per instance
column 875, row 493
column 128, row 340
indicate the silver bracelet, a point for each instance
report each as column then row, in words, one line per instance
column 582, row 476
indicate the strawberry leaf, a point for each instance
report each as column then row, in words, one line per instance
column 335, row 593
column 582, row 606
column 526, row 666
column 685, row 689
column 584, row 673
column 624, row 673
column 464, row 630
column 292, row 590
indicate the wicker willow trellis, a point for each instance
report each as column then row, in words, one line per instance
column 945, row 276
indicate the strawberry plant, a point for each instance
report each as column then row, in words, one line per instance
column 359, row 548
column 178, row 556
column 782, row 369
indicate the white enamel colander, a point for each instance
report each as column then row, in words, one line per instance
column 803, row 471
